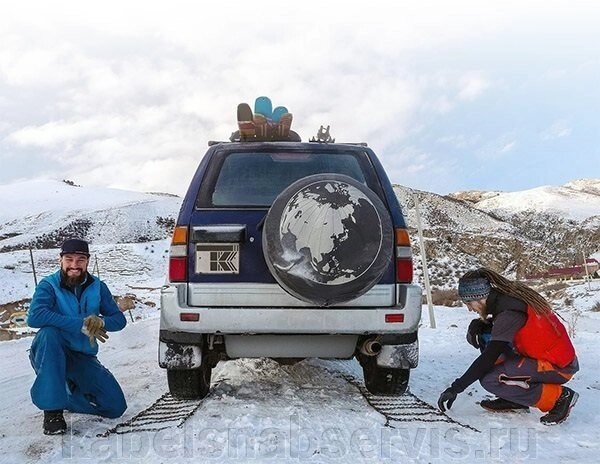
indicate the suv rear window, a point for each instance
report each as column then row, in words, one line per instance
column 254, row 179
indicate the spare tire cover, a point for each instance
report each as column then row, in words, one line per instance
column 327, row 239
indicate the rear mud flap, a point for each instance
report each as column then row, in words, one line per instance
column 173, row 355
column 404, row 356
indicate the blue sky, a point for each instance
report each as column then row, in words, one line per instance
column 451, row 95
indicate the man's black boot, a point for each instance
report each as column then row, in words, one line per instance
column 562, row 407
column 502, row 405
column 54, row 423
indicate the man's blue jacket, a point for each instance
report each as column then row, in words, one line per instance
column 56, row 305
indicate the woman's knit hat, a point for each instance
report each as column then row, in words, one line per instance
column 473, row 288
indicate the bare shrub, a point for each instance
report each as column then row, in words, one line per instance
column 444, row 297
column 596, row 307
column 552, row 287
column 572, row 323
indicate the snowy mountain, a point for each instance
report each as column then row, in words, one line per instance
column 40, row 214
column 128, row 230
column 575, row 201
column 519, row 233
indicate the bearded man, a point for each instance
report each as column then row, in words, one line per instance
column 73, row 311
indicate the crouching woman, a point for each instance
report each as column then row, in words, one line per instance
column 526, row 353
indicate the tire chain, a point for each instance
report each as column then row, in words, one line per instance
column 164, row 413
column 404, row 408
column 167, row 411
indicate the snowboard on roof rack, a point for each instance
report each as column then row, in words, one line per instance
column 264, row 107
column 282, row 121
column 245, row 119
column 263, row 111
column 264, row 124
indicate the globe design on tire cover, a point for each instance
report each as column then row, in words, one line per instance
column 327, row 239
column 323, row 219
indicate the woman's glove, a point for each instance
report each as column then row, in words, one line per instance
column 447, row 399
column 475, row 333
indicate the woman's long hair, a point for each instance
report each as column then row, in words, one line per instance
column 512, row 288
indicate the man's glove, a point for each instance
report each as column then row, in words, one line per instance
column 475, row 332
column 93, row 327
column 446, row 399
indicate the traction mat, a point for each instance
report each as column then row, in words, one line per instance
column 168, row 412
column 404, row 408
column 164, row 413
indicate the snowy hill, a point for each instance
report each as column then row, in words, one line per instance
column 518, row 233
column 40, row 214
column 576, row 201
column 128, row 231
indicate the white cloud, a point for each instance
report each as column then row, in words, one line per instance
column 508, row 146
column 133, row 90
column 460, row 140
column 498, row 147
column 556, row 131
column 412, row 160
column 472, row 86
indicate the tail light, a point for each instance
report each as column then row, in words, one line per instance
column 178, row 255
column 404, row 264
column 394, row 318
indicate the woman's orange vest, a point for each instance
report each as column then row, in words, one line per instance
column 545, row 338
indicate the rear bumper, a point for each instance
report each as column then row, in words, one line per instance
column 298, row 320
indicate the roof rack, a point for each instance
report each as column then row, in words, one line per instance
column 292, row 137
column 218, row 142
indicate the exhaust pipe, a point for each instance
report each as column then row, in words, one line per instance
column 371, row 347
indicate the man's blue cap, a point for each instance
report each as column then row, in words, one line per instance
column 75, row 246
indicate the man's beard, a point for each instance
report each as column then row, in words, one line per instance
column 72, row 281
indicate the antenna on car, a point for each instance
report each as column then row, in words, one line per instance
column 323, row 136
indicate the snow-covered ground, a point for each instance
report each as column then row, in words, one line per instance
column 263, row 412
column 260, row 411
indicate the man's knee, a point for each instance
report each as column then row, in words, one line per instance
column 47, row 338
column 116, row 405
column 116, row 411
column 48, row 335
column 113, row 400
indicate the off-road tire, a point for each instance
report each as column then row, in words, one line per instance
column 189, row 384
column 385, row 381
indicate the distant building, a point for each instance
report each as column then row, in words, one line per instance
column 569, row 273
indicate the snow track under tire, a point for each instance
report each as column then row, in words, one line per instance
column 169, row 412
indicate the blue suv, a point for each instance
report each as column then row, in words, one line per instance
column 289, row 250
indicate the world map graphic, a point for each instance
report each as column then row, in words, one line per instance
column 329, row 232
